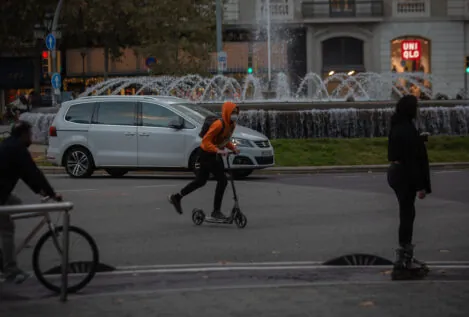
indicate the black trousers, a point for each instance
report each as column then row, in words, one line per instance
column 210, row 163
column 406, row 199
column 406, row 193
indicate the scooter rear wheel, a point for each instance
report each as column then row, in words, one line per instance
column 241, row 220
column 198, row 216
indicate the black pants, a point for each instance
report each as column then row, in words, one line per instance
column 406, row 199
column 406, row 194
column 210, row 163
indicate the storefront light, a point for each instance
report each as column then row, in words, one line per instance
column 350, row 73
column 331, row 73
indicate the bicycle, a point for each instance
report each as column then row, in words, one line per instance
column 74, row 268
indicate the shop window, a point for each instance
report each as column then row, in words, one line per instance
column 411, row 54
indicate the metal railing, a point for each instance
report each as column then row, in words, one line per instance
column 38, row 210
column 342, row 9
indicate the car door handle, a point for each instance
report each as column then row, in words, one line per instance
column 129, row 134
column 144, row 134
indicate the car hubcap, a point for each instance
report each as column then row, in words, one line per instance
column 78, row 163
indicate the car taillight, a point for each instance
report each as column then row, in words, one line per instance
column 52, row 131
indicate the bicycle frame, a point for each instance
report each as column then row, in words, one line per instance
column 45, row 221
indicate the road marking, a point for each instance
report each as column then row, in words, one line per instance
column 261, row 264
column 169, row 270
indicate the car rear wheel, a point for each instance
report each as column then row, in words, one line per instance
column 79, row 162
column 116, row 172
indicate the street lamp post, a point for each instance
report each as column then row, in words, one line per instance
column 269, row 48
column 55, row 23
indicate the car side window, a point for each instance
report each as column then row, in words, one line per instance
column 116, row 113
column 80, row 113
column 156, row 116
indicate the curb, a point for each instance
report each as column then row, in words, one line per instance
column 287, row 170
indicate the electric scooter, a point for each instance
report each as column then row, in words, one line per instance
column 198, row 215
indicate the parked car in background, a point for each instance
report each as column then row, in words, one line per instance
column 126, row 133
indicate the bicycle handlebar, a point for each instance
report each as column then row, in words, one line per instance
column 47, row 198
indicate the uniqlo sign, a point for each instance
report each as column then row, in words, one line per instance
column 411, row 50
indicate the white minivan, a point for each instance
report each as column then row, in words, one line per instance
column 126, row 133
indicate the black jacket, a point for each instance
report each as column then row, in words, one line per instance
column 16, row 163
column 406, row 147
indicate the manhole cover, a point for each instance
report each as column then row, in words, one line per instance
column 80, row 267
column 359, row 259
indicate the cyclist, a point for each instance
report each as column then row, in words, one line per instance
column 16, row 163
column 214, row 142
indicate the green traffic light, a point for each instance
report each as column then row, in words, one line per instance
column 250, row 70
column 467, row 69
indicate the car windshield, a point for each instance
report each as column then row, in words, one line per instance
column 195, row 112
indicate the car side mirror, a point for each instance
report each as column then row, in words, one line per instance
column 177, row 123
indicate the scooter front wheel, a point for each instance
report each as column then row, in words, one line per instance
column 241, row 220
column 198, row 216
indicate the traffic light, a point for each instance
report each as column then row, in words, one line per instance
column 467, row 64
column 46, row 65
column 250, row 70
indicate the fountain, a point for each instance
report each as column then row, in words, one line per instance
column 337, row 87
column 312, row 89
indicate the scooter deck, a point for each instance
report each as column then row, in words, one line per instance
column 216, row 220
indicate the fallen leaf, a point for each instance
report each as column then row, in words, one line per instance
column 367, row 304
column 223, row 262
column 388, row 272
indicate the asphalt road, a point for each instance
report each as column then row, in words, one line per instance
column 292, row 218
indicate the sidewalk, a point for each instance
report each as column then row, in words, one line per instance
column 287, row 170
column 325, row 292
column 39, row 152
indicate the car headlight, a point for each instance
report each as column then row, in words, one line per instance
column 241, row 142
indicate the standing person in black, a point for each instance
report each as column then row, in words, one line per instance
column 16, row 163
column 408, row 176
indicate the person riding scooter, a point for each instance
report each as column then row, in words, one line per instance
column 214, row 143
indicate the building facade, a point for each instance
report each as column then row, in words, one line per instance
column 428, row 36
column 318, row 36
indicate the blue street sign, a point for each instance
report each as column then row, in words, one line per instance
column 56, row 81
column 150, row 61
column 50, row 42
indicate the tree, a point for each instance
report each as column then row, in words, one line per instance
column 18, row 19
column 103, row 23
column 179, row 34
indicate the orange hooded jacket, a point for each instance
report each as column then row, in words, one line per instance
column 215, row 140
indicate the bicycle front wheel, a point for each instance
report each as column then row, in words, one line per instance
column 80, row 272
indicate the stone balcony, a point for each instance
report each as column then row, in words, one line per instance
column 331, row 11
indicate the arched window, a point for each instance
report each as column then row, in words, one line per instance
column 342, row 54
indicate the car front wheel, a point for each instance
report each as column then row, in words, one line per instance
column 79, row 163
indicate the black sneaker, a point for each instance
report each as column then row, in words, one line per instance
column 218, row 215
column 175, row 200
column 17, row 277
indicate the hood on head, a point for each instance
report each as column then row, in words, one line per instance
column 227, row 110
